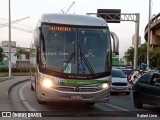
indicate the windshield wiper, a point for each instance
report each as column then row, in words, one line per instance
column 69, row 59
column 82, row 57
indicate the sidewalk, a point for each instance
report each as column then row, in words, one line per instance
column 5, row 87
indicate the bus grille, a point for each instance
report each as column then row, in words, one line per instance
column 81, row 89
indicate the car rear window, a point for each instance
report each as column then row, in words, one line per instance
column 118, row 73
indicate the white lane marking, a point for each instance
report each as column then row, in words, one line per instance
column 121, row 108
column 117, row 107
column 101, row 107
column 23, row 100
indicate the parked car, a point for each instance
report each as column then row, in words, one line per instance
column 119, row 82
column 147, row 90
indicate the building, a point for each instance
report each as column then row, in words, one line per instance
column 28, row 56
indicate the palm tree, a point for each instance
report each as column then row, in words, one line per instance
column 129, row 55
column 155, row 57
column 19, row 52
column 142, row 53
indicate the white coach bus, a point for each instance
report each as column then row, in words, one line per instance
column 74, row 59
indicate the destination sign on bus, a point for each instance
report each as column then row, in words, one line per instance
column 59, row 28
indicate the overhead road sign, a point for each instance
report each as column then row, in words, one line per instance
column 110, row 15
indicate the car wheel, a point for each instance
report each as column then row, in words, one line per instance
column 90, row 103
column 137, row 102
column 127, row 93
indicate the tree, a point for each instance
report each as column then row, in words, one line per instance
column 129, row 55
column 19, row 52
column 155, row 57
column 142, row 53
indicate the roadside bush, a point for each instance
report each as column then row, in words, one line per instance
column 4, row 69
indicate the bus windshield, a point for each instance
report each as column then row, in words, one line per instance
column 75, row 49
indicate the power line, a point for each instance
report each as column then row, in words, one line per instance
column 17, row 23
column 12, row 22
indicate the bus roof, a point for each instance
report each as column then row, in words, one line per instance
column 73, row 19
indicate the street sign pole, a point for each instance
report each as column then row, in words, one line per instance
column 136, row 41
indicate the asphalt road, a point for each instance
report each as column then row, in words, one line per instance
column 119, row 107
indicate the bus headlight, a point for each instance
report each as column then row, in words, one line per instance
column 105, row 86
column 47, row 83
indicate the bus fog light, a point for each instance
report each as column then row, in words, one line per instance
column 47, row 83
column 105, row 85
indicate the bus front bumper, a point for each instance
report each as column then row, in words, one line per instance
column 48, row 94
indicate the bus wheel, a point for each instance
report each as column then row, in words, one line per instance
column 32, row 88
column 40, row 101
column 90, row 103
column 38, row 96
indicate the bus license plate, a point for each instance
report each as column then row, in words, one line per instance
column 76, row 97
column 120, row 88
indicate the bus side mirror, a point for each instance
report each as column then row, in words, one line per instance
column 37, row 35
column 115, row 42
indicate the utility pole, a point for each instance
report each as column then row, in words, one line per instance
column 9, row 64
column 149, row 26
column 137, row 40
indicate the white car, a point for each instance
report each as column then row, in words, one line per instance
column 119, row 82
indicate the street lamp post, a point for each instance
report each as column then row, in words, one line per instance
column 9, row 40
column 136, row 41
column 149, row 26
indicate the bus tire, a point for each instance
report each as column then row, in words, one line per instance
column 32, row 88
column 40, row 101
column 38, row 96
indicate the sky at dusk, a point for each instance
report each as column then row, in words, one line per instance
column 34, row 9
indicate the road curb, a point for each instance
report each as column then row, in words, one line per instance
column 16, row 84
column 10, row 88
column 24, row 102
column 5, row 90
